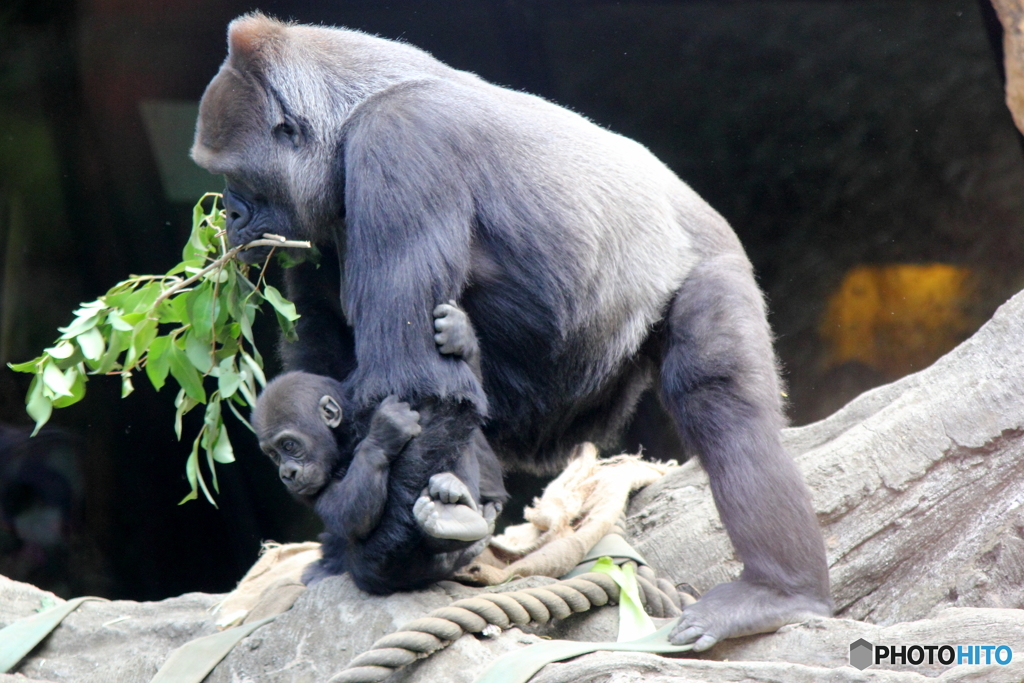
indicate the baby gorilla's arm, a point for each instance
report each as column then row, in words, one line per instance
column 447, row 510
column 352, row 507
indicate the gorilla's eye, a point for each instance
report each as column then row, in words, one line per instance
column 288, row 132
column 289, row 446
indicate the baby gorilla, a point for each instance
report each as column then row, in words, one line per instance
column 301, row 426
column 296, row 418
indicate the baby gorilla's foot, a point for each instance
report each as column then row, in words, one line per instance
column 447, row 510
column 452, row 522
column 730, row 610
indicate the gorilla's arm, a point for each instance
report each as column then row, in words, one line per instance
column 409, row 218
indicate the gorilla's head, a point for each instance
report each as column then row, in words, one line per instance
column 271, row 121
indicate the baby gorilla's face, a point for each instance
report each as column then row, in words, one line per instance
column 294, row 419
column 303, row 459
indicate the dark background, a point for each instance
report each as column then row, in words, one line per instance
column 837, row 137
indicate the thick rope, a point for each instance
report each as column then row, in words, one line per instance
column 422, row 637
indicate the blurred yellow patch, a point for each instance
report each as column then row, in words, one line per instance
column 898, row 318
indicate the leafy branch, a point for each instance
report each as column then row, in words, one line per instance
column 194, row 322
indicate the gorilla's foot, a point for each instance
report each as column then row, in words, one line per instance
column 449, row 521
column 730, row 610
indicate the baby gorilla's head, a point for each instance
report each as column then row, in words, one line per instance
column 294, row 419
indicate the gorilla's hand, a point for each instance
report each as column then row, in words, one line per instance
column 393, row 425
column 730, row 610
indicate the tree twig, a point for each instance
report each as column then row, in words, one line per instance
column 268, row 240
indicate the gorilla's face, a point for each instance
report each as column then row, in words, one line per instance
column 269, row 158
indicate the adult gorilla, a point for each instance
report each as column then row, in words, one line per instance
column 589, row 270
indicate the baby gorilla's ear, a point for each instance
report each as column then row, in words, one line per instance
column 330, row 411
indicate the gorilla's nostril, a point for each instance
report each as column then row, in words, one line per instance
column 234, row 216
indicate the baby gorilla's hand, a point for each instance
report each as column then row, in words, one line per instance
column 453, row 329
column 393, row 425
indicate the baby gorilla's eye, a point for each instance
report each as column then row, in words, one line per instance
column 289, row 446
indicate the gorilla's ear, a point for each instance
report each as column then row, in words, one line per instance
column 330, row 411
column 253, row 39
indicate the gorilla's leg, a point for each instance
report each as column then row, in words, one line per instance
column 720, row 383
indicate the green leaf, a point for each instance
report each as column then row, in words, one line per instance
column 92, row 344
column 199, row 476
column 77, row 379
column 200, row 311
column 38, row 406
column 257, row 371
column 192, row 472
column 287, row 327
column 197, row 244
column 231, row 405
column 55, row 380
column 126, row 384
column 218, row 275
column 228, row 349
column 141, row 301
column 78, row 326
column 62, row 350
column 186, row 374
column 116, row 343
column 245, row 323
column 228, row 379
column 158, row 361
column 133, row 319
column 117, row 295
column 182, row 404
column 281, row 305
column 179, row 303
column 30, row 366
column 211, row 431
column 142, row 336
column 93, row 306
column 222, row 451
column 198, row 353
column 634, row 622
column 247, row 388
column 118, row 322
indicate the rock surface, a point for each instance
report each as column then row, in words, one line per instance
column 918, row 486
column 1011, row 14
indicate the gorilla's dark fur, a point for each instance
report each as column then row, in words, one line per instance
column 589, row 270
